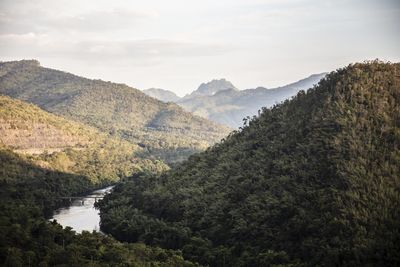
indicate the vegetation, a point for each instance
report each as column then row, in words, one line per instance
column 312, row 181
column 27, row 194
column 114, row 109
column 66, row 146
column 57, row 157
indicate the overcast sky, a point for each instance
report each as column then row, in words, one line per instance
column 178, row 44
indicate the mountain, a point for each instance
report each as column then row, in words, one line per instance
column 211, row 88
column 313, row 181
column 162, row 94
column 52, row 142
column 164, row 130
column 230, row 106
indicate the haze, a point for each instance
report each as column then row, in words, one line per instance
column 177, row 45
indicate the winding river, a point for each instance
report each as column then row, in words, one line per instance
column 81, row 214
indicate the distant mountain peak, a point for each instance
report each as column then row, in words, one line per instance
column 162, row 94
column 212, row 87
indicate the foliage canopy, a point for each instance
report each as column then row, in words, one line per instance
column 312, row 181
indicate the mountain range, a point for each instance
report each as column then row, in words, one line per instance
column 221, row 102
column 163, row 130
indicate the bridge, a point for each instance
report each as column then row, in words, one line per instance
column 82, row 198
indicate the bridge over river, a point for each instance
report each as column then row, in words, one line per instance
column 83, row 198
column 81, row 214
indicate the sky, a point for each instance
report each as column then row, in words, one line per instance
column 178, row 44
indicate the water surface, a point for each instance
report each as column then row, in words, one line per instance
column 81, row 214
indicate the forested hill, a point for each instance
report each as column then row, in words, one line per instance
column 54, row 143
column 59, row 158
column 163, row 129
column 312, row 181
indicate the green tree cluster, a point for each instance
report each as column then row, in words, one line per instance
column 29, row 194
column 311, row 181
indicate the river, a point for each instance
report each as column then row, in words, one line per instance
column 81, row 214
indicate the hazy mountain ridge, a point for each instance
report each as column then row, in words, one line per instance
column 311, row 181
column 221, row 102
column 162, row 94
column 230, row 107
column 210, row 88
column 115, row 109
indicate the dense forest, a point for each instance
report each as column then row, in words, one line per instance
column 28, row 194
column 312, row 181
column 164, row 130
column 44, row 157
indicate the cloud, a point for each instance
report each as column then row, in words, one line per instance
column 181, row 42
column 40, row 19
column 100, row 21
column 84, row 31
column 143, row 51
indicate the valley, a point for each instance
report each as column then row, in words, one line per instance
column 253, row 199
column 246, row 133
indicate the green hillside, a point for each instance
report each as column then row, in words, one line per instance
column 28, row 193
column 57, row 158
column 312, row 181
column 164, row 130
column 66, row 146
